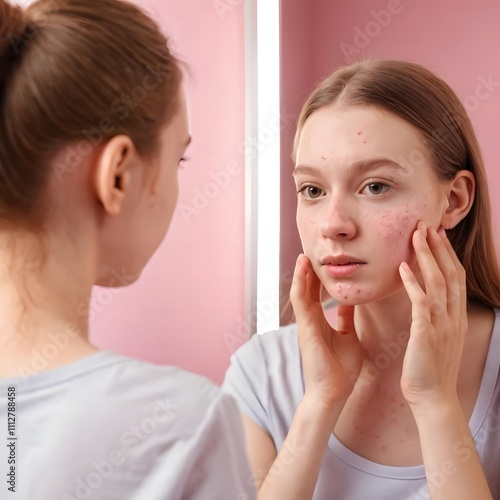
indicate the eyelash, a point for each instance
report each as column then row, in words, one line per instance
column 371, row 183
column 378, row 183
column 303, row 188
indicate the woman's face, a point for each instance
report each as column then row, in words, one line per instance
column 360, row 198
column 160, row 207
column 149, row 207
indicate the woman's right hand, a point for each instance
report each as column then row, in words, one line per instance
column 331, row 358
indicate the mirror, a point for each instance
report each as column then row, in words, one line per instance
column 458, row 40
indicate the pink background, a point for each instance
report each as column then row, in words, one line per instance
column 457, row 39
column 188, row 307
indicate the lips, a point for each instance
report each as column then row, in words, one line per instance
column 341, row 266
column 340, row 260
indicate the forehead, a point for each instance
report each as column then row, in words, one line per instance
column 344, row 135
column 178, row 126
column 183, row 109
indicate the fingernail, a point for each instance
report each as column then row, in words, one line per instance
column 422, row 228
column 405, row 267
column 442, row 232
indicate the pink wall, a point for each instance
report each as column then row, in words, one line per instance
column 296, row 71
column 188, row 304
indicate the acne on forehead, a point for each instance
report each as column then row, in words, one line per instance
column 335, row 129
column 360, row 133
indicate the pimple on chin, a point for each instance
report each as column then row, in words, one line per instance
column 345, row 290
column 350, row 291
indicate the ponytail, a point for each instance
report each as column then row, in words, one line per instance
column 74, row 74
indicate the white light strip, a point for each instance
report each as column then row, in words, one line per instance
column 251, row 207
column 267, row 144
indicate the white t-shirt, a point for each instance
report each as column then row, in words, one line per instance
column 108, row 427
column 267, row 380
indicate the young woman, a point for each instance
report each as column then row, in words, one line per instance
column 402, row 399
column 93, row 126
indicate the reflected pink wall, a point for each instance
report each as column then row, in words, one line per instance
column 188, row 306
column 297, row 72
column 457, row 39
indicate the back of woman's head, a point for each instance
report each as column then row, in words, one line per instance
column 73, row 74
column 429, row 104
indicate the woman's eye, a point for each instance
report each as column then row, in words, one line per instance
column 376, row 188
column 311, row 192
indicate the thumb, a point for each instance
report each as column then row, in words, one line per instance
column 305, row 289
column 309, row 315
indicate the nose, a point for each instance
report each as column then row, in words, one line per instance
column 337, row 222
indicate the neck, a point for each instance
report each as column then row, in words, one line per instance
column 383, row 328
column 44, row 298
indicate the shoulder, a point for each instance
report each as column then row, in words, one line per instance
column 137, row 391
column 150, row 377
column 266, row 378
column 267, row 358
column 270, row 346
column 155, row 424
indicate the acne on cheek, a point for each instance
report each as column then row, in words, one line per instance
column 308, row 233
column 396, row 229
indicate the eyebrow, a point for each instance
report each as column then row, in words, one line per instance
column 361, row 166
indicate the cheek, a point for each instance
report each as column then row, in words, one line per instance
column 396, row 231
column 307, row 231
column 168, row 191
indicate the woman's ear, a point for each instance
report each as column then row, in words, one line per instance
column 113, row 171
column 460, row 195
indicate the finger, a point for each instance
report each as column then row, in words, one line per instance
column 420, row 313
column 303, row 288
column 313, row 283
column 434, row 281
column 460, row 304
column 452, row 270
column 306, row 311
column 298, row 287
column 345, row 319
column 297, row 298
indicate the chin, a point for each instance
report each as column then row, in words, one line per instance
column 351, row 301
column 348, row 294
column 119, row 276
column 370, row 296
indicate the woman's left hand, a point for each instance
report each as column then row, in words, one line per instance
column 439, row 321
